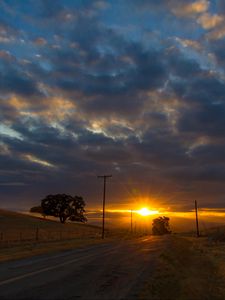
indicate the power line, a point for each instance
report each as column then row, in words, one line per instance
column 103, row 203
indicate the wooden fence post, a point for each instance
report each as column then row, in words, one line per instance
column 37, row 234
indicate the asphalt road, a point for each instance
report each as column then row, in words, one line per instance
column 115, row 270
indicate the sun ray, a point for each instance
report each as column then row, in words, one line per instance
column 146, row 212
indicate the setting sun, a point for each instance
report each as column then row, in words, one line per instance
column 146, row 212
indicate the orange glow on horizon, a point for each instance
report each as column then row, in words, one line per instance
column 142, row 212
column 146, row 212
column 208, row 213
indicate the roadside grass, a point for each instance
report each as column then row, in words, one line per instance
column 215, row 234
column 189, row 269
column 31, row 249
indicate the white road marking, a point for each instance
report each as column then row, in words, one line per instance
column 145, row 240
column 10, row 280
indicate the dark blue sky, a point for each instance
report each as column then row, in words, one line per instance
column 134, row 88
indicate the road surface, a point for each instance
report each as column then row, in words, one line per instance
column 115, row 270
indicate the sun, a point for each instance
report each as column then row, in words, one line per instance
column 146, row 212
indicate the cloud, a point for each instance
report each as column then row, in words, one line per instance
column 208, row 120
column 18, row 82
column 221, row 6
column 6, row 56
column 218, row 49
column 209, row 173
column 7, row 32
column 217, row 34
column 181, row 66
column 210, row 153
column 102, row 5
column 179, row 8
column 196, row 45
column 47, row 10
column 208, row 21
column 86, row 96
column 40, row 41
column 14, row 79
column 183, row 9
column 205, row 88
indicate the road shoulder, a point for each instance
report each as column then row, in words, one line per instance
column 187, row 269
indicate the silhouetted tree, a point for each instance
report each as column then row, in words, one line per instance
column 65, row 207
column 161, row 226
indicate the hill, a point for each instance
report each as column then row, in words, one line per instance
column 24, row 235
column 11, row 220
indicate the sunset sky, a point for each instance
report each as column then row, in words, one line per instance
column 132, row 88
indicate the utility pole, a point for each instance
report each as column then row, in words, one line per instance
column 196, row 215
column 103, row 204
column 131, row 221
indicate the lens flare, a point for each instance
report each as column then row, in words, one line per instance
column 146, row 212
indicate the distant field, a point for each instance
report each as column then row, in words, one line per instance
column 23, row 235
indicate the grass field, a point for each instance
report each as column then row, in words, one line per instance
column 22, row 235
column 19, row 227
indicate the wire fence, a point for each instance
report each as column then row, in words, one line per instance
column 14, row 237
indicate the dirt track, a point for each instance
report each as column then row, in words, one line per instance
column 108, row 271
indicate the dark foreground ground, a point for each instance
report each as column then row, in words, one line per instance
column 148, row 268
column 116, row 270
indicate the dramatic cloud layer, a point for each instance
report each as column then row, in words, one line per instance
column 131, row 88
